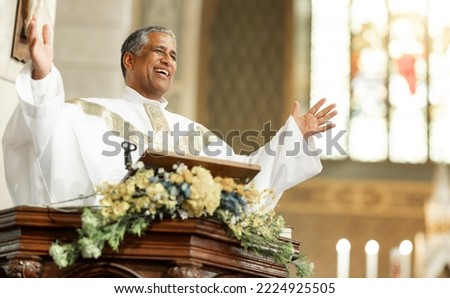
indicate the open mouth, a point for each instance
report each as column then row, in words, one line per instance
column 164, row 72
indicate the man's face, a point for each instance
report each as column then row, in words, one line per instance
column 152, row 71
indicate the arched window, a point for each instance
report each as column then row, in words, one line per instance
column 386, row 63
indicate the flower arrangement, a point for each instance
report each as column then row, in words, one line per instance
column 148, row 195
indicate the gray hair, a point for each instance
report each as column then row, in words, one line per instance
column 138, row 39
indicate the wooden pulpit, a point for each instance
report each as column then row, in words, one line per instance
column 169, row 248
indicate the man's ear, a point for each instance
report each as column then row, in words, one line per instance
column 128, row 60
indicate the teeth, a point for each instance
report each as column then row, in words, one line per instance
column 163, row 71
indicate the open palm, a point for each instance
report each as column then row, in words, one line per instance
column 315, row 120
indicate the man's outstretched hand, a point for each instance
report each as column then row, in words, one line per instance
column 315, row 120
column 41, row 51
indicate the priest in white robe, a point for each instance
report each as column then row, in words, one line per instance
column 57, row 150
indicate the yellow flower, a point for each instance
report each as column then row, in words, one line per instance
column 155, row 189
column 170, row 203
column 205, row 194
column 106, row 202
column 187, row 175
column 141, row 203
column 228, row 184
column 176, row 178
column 252, row 196
column 120, row 208
column 240, row 189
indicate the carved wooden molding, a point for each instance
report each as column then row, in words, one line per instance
column 101, row 269
column 23, row 267
column 184, row 271
column 169, row 248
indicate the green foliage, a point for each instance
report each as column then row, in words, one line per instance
column 131, row 206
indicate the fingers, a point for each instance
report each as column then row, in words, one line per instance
column 46, row 35
column 327, row 117
column 327, row 112
column 315, row 108
column 326, row 127
column 31, row 33
column 324, row 115
column 296, row 109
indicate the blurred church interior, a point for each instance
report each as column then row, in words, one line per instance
column 241, row 65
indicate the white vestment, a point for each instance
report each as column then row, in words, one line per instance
column 55, row 151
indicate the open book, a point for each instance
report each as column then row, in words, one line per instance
column 241, row 172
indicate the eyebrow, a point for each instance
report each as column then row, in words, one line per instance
column 173, row 52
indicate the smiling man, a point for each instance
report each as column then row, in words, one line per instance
column 57, row 149
column 149, row 61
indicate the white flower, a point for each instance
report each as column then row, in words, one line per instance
column 89, row 249
column 183, row 214
column 59, row 255
column 138, row 165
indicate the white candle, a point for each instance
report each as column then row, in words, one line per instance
column 372, row 248
column 394, row 262
column 343, row 258
column 405, row 250
column 419, row 254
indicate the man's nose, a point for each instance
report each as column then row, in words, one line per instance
column 166, row 58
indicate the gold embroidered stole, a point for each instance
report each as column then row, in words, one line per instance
column 156, row 117
column 112, row 120
column 115, row 122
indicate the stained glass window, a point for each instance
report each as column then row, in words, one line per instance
column 329, row 68
column 386, row 63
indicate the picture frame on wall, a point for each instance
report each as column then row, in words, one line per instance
column 20, row 49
